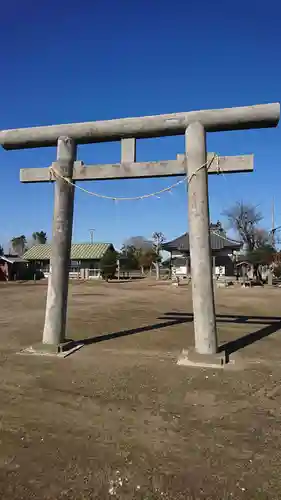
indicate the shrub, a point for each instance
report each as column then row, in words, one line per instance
column 108, row 265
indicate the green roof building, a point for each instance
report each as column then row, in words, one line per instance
column 84, row 258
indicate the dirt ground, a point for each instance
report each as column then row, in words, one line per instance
column 119, row 418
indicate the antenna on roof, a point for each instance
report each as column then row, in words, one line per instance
column 91, row 231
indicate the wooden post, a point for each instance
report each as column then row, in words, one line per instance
column 56, row 307
column 187, row 266
column 243, row 275
column 199, row 241
column 118, row 269
column 214, row 266
column 270, row 278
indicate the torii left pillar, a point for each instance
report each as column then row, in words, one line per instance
column 199, row 241
column 56, row 307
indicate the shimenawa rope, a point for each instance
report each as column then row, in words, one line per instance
column 144, row 196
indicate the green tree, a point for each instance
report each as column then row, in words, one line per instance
column 141, row 253
column 1, row 250
column 262, row 255
column 108, row 265
column 39, row 237
column 134, row 254
column 19, row 244
column 146, row 258
column 129, row 258
column 158, row 239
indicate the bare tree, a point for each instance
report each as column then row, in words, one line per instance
column 262, row 238
column 139, row 243
column 245, row 219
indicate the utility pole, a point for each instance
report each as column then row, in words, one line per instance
column 272, row 232
column 273, row 224
column 92, row 235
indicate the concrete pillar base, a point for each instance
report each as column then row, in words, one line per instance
column 192, row 358
column 61, row 350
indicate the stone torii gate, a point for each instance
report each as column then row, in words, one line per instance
column 194, row 164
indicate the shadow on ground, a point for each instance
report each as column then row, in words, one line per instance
column 134, row 331
column 271, row 325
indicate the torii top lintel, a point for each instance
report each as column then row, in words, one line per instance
column 214, row 120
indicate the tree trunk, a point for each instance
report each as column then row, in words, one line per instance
column 157, row 268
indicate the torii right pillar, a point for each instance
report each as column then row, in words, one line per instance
column 205, row 353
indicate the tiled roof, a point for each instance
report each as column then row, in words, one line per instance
column 79, row 251
column 218, row 242
column 11, row 259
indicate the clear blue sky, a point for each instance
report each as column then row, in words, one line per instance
column 77, row 61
